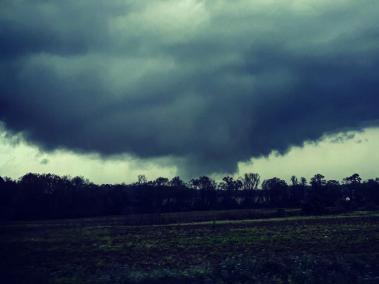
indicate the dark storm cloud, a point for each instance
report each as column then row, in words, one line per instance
column 205, row 83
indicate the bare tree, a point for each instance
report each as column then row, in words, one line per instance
column 142, row 179
column 251, row 181
column 294, row 181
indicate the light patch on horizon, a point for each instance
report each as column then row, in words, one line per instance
column 18, row 158
column 334, row 156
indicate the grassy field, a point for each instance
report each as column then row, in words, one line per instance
column 329, row 249
column 200, row 216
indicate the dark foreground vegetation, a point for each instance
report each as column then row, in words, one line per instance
column 323, row 249
column 48, row 196
column 279, row 242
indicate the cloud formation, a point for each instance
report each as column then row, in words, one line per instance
column 206, row 83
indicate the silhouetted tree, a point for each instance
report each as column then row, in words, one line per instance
column 142, row 180
column 318, row 181
column 294, row 181
column 353, row 179
column 177, row 182
column 277, row 191
column 229, row 183
column 251, row 181
column 161, row 181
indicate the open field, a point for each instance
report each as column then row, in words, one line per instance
column 330, row 249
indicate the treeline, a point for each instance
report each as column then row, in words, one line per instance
column 44, row 196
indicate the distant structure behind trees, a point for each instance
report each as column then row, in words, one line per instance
column 45, row 196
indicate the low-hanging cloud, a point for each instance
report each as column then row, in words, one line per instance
column 207, row 83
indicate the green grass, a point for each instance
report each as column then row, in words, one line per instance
column 330, row 249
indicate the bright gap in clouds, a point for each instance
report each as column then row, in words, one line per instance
column 335, row 156
column 18, row 157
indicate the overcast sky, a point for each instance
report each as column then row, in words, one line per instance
column 115, row 88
